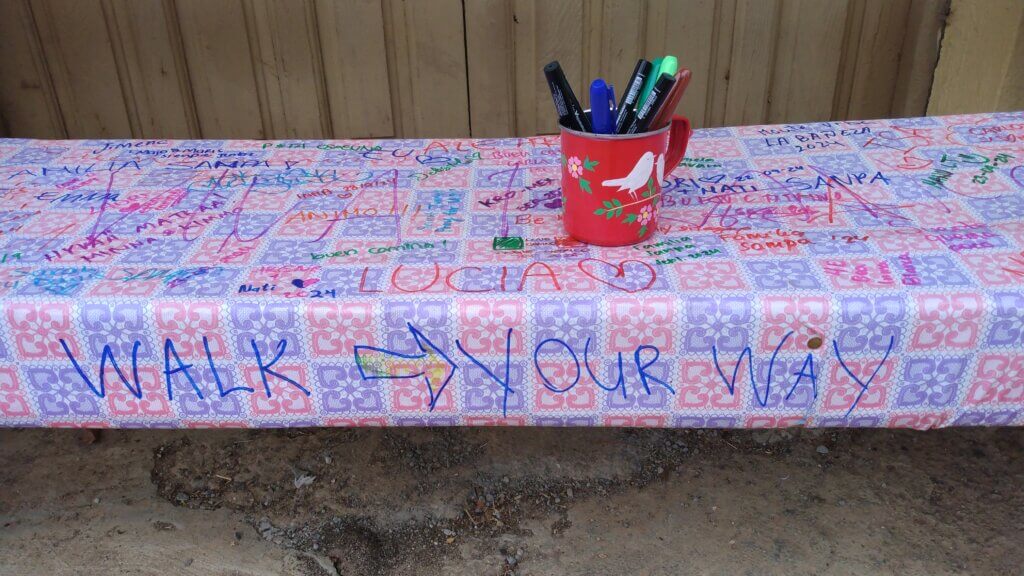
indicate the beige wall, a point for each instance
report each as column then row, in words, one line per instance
column 982, row 64
column 382, row 68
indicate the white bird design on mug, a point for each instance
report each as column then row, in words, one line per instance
column 638, row 176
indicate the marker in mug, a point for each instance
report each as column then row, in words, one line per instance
column 569, row 111
column 663, row 115
column 632, row 93
column 602, row 107
column 649, row 83
column 654, row 101
column 627, row 119
column 669, row 65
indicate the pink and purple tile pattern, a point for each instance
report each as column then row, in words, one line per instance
column 866, row 273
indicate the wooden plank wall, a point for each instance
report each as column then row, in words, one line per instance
column 413, row 68
column 981, row 67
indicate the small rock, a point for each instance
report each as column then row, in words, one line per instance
column 238, row 535
column 447, row 532
column 265, row 528
column 188, row 562
column 181, row 497
column 96, row 500
column 822, row 449
column 303, row 479
column 164, row 526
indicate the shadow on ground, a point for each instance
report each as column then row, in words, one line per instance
column 513, row 501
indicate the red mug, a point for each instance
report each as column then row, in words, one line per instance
column 611, row 182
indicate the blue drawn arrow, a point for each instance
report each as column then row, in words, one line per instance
column 424, row 344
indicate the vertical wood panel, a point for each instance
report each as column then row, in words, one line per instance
column 721, row 59
column 152, row 68
column 287, row 66
column 427, row 67
column 490, row 61
column 220, row 68
column 981, row 56
column 685, row 28
column 1011, row 93
column 848, row 59
column 613, row 39
column 621, row 43
column 591, row 16
column 925, row 22
column 877, row 58
column 807, row 60
column 355, row 68
column 527, row 99
column 753, row 56
column 81, row 62
column 547, row 30
column 28, row 105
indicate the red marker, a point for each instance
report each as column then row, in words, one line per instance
column 664, row 114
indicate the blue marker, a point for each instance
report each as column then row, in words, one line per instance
column 602, row 107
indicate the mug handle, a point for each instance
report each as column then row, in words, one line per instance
column 678, row 137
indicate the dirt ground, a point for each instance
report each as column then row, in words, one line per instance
column 512, row 501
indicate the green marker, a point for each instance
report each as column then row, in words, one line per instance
column 649, row 83
column 669, row 65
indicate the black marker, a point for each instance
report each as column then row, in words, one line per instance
column 646, row 113
column 569, row 111
column 626, row 121
column 632, row 94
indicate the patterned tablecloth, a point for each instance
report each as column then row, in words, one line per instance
column 836, row 274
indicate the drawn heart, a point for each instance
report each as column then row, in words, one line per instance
column 619, row 272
